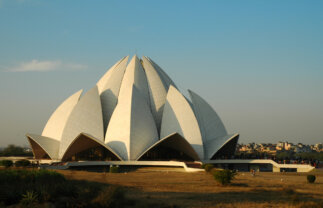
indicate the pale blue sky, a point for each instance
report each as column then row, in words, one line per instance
column 258, row 63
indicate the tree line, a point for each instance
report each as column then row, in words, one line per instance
column 13, row 150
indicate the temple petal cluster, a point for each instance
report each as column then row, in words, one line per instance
column 134, row 112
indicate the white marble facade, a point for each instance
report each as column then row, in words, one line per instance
column 132, row 109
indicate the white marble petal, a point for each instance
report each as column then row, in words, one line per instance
column 166, row 79
column 132, row 128
column 134, row 75
column 178, row 117
column 209, row 121
column 56, row 123
column 85, row 117
column 110, row 91
column 48, row 145
column 212, row 146
column 157, row 91
column 104, row 79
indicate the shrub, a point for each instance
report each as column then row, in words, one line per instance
column 207, row 167
column 22, row 163
column 114, row 169
column 311, row 178
column 224, row 177
column 6, row 163
column 32, row 188
column 18, row 184
column 29, row 199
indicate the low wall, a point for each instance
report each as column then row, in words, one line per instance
column 16, row 158
column 276, row 167
column 125, row 163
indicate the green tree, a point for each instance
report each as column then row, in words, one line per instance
column 13, row 150
column 224, row 177
column 22, row 163
column 284, row 155
column 6, row 163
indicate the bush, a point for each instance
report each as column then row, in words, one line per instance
column 207, row 167
column 22, row 163
column 29, row 199
column 224, row 177
column 32, row 188
column 114, row 169
column 311, row 178
column 6, row 163
column 18, row 184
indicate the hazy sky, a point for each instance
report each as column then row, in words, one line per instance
column 258, row 63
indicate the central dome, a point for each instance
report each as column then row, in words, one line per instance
column 134, row 112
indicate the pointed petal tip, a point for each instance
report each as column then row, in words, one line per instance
column 28, row 134
column 126, row 58
column 80, row 92
column 172, row 88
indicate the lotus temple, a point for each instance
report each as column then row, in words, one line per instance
column 134, row 112
column 135, row 116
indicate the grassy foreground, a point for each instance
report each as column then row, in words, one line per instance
column 150, row 187
column 43, row 188
column 162, row 187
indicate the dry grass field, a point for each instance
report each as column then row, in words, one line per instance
column 162, row 187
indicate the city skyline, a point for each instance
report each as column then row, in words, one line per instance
column 259, row 64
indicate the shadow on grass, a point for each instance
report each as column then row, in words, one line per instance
column 239, row 185
column 102, row 168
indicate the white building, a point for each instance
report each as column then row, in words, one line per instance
column 134, row 112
